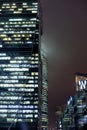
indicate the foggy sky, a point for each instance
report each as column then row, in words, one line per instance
column 65, row 42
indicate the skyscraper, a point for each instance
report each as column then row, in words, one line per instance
column 44, row 94
column 20, row 64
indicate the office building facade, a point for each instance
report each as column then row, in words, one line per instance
column 44, row 93
column 74, row 116
column 20, row 63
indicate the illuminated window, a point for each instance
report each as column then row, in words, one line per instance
column 35, row 115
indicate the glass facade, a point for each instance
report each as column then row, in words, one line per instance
column 44, row 107
column 19, row 61
column 74, row 116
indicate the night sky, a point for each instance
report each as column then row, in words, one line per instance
column 65, row 42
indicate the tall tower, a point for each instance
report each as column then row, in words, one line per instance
column 44, row 92
column 20, row 64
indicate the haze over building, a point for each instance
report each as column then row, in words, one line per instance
column 23, row 90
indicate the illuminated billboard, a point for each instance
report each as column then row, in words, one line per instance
column 81, row 82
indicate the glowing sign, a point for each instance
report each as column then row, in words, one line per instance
column 82, row 84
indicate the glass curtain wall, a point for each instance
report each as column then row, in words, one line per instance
column 19, row 61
